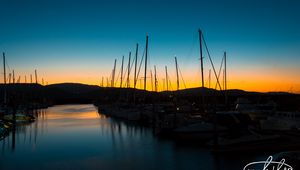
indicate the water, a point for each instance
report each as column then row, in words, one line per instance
column 78, row 137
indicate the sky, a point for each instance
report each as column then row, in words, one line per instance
column 78, row 40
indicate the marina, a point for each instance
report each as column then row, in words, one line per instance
column 80, row 137
column 170, row 85
column 216, row 121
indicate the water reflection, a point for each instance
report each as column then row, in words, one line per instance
column 78, row 137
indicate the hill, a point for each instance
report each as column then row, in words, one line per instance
column 82, row 93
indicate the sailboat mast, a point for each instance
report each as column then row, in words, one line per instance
column 167, row 81
column 122, row 72
column 135, row 73
column 128, row 71
column 111, row 77
column 151, row 77
column 177, row 73
column 209, row 78
column 14, row 77
column 113, row 74
column 225, row 71
column 201, row 57
column 36, row 78
column 146, row 57
column 135, row 64
column 9, row 78
column 163, row 80
column 4, row 68
column 155, row 79
column 225, row 77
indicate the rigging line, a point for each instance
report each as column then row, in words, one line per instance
column 149, row 59
column 109, row 78
column 182, row 77
column 132, row 63
column 167, row 81
column 212, row 64
column 220, row 71
column 118, row 76
column 125, row 72
column 140, row 65
column 128, row 70
column 170, row 83
column 207, row 82
column 7, row 65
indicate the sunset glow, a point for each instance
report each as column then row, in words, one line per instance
column 72, row 45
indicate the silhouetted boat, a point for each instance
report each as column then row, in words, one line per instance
column 255, row 111
column 281, row 121
column 121, row 110
column 202, row 131
column 267, row 117
column 19, row 118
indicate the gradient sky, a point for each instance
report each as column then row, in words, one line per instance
column 78, row 40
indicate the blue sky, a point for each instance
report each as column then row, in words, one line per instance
column 84, row 36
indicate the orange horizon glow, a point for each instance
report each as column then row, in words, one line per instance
column 235, row 81
column 248, row 79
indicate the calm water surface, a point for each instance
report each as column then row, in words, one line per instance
column 78, row 137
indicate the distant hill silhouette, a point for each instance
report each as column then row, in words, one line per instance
column 82, row 93
column 76, row 88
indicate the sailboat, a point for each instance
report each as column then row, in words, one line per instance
column 184, row 126
column 126, row 109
